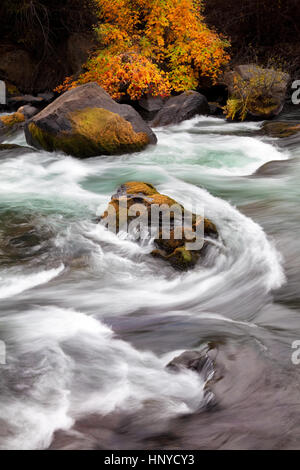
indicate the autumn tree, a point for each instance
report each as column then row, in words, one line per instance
column 152, row 46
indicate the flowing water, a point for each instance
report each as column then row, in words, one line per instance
column 90, row 320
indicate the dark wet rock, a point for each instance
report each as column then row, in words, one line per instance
column 202, row 363
column 174, row 249
column 151, row 103
column 19, row 148
column 281, row 129
column 24, row 238
column 28, row 111
column 197, row 361
column 86, row 122
column 263, row 89
column 8, row 147
column 26, row 100
column 275, row 168
column 47, row 96
column 287, row 132
column 181, row 107
column 215, row 109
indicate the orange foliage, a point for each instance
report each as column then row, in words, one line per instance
column 152, row 46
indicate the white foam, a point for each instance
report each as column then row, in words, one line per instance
column 69, row 354
column 13, row 284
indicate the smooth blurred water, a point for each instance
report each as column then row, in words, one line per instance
column 91, row 320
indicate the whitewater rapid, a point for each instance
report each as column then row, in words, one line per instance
column 61, row 305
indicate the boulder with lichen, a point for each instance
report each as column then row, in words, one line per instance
column 86, row 122
column 175, row 248
column 255, row 92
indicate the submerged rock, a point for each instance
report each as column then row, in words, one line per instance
column 287, row 133
column 174, row 247
column 181, row 107
column 276, row 168
column 197, row 361
column 202, row 363
column 86, row 122
column 281, row 129
column 24, row 238
column 4, row 147
column 261, row 90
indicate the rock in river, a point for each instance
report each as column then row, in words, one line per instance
column 181, row 107
column 261, row 91
column 86, row 122
column 175, row 247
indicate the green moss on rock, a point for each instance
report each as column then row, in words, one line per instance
column 173, row 249
column 10, row 120
column 93, row 131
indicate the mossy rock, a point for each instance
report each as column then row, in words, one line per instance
column 86, row 122
column 173, row 249
column 94, row 131
column 11, row 120
column 11, row 123
column 255, row 93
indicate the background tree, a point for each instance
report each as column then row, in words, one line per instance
column 152, row 46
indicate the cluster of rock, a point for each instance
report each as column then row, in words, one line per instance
column 86, row 122
column 21, row 108
column 175, row 248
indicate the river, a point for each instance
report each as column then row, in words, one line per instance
column 90, row 320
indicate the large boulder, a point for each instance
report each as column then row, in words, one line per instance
column 181, row 107
column 255, row 92
column 173, row 248
column 86, row 122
